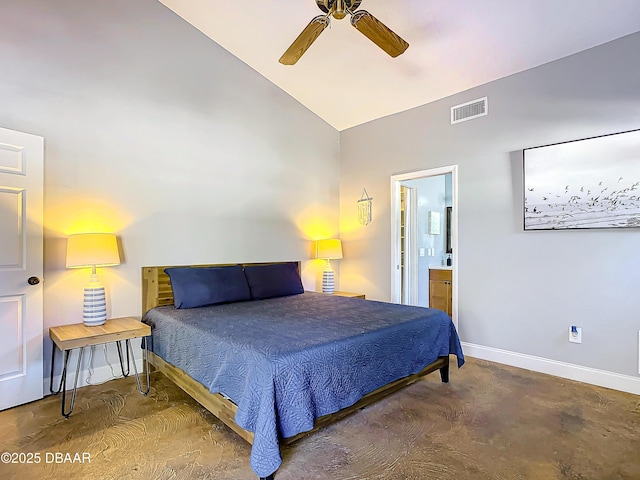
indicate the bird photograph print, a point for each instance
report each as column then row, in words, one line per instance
column 590, row 183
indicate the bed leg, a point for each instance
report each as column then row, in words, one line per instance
column 444, row 373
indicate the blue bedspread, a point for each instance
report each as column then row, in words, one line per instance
column 287, row 361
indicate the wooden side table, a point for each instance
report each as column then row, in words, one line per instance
column 349, row 294
column 78, row 335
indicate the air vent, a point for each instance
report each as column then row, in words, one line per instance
column 469, row 110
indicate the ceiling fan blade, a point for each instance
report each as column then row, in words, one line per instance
column 305, row 39
column 378, row 33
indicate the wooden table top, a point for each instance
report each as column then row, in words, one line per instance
column 77, row 335
column 348, row 294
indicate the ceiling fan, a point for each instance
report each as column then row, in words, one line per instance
column 362, row 20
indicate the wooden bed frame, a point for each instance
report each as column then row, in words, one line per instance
column 156, row 291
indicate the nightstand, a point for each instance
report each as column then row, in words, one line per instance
column 78, row 335
column 349, row 294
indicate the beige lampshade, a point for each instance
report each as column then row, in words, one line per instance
column 92, row 249
column 330, row 249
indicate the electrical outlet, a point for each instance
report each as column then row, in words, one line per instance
column 575, row 334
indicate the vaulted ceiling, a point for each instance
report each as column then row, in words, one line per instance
column 454, row 45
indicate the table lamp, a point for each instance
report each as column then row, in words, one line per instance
column 329, row 249
column 93, row 250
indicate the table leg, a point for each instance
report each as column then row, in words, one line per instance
column 75, row 383
column 53, row 361
column 119, row 345
column 145, row 356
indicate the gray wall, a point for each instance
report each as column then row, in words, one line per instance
column 517, row 291
column 156, row 133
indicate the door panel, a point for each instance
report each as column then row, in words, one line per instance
column 12, row 159
column 11, row 331
column 12, row 234
column 409, row 245
column 21, row 207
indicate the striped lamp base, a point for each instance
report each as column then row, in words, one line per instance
column 328, row 281
column 95, row 304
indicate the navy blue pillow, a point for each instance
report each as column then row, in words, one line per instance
column 277, row 280
column 200, row 286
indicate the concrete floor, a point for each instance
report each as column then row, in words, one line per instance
column 490, row 422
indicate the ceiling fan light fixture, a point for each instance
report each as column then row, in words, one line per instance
column 339, row 10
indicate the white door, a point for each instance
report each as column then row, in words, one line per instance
column 21, row 205
column 410, row 247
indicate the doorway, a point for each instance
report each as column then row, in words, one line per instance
column 424, row 243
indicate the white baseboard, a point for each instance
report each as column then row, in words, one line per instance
column 602, row 378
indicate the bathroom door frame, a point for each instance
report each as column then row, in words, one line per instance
column 396, row 274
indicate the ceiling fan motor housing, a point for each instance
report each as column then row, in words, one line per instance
column 338, row 9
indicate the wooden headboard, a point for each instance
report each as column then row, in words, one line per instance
column 156, row 286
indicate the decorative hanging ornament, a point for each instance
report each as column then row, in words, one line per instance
column 364, row 208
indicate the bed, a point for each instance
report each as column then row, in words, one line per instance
column 282, row 362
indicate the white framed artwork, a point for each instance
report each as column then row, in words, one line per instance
column 589, row 183
column 433, row 227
